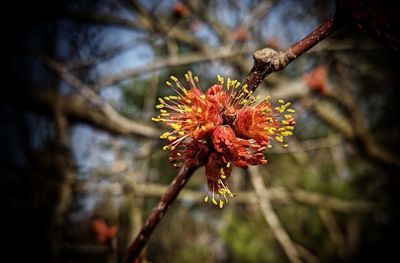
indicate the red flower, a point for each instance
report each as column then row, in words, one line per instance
column 103, row 232
column 241, row 34
column 220, row 128
column 180, row 10
column 317, row 79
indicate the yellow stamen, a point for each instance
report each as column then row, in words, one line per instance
column 166, row 148
column 165, row 135
column 287, row 133
column 171, row 138
column 176, row 126
column 220, row 79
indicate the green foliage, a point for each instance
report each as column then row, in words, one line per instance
column 249, row 240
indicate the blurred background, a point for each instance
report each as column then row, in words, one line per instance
column 82, row 164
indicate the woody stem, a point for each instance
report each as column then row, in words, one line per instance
column 268, row 60
column 265, row 61
column 158, row 213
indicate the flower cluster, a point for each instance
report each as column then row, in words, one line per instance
column 220, row 128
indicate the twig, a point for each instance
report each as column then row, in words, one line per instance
column 265, row 62
column 334, row 231
column 371, row 146
column 126, row 126
column 275, row 194
column 158, row 213
column 271, row 217
column 78, row 108
column 306, row 254
column 353, row 129
column 268, row 60
column 171, row 61
column 332, row 202
column 66, row 172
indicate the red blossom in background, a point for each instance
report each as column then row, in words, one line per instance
column 241, row 34
column 181, row 10
column 103, row 232
column 317, row 79
column 220, row 128
column 273, row 42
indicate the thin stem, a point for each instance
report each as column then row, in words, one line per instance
column 158, row 213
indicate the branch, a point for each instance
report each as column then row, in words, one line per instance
column 158, row 213
column 271, row 217
column 77, row 107
column 275, row 194
column 354, row 129
column 94, row 108
column 334, row 231
column 306, row 254
column 172, row 61
column 265, row 62
column 268, row 60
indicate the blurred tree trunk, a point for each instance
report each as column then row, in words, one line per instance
column 67, row 175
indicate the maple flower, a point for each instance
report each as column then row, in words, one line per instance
column 220, row 128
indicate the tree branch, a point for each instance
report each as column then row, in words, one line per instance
column 158, row 213
column 275, row 194
column 272, row 219
column 96, row 110
column 172, row 61
column 268, row 60
column 354, row 129
column 77, row 107
column 265, row 62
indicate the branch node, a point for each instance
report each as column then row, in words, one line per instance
column 273, row 59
